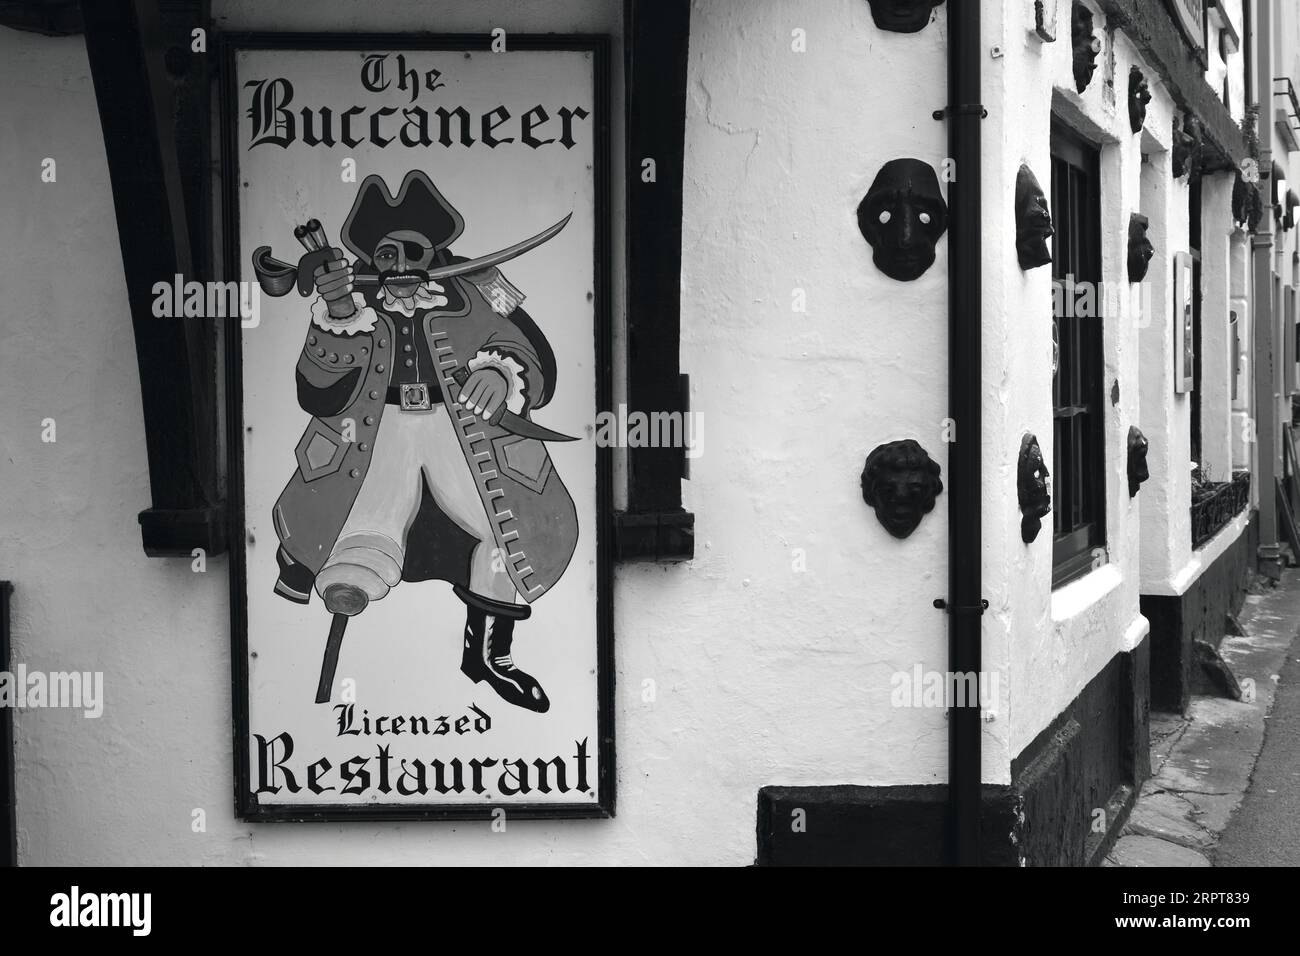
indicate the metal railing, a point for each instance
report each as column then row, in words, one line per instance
column 1289, row 113
column 1215, row 503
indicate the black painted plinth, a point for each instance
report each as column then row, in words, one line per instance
column 1072, row 789
column 1200, row 613
column 874, row 826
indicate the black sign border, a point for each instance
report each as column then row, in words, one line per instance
column 247, row 806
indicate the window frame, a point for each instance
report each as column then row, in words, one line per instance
column 1079, row 513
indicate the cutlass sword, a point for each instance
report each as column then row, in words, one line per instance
column 496, row 258
column 278, row 277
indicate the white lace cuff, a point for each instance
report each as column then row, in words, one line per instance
column 362, row 320
column 507, row 366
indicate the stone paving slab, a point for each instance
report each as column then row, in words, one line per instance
column 1169, row 816
column 1166, row 729
column 1137, row 850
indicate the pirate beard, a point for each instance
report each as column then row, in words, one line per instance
column 426, row 295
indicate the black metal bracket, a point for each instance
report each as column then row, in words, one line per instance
column 947, row 608
column 965, row 109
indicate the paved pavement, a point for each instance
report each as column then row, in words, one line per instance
column 1265, row 831
column 1207, row 799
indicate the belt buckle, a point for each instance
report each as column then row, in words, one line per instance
column 415, row 398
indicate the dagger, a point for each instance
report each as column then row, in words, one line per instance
column 515, row 424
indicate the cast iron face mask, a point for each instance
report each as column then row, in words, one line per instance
column 1140, row 249
column 901, row 481
column 902, row 217
column 1139, row 95
column 1033, row 222
column 902, row 16
column 1086, row 46
column 1137, row 460
column 1186, row 154
column 1033, row 487
column 1247, row 206
column 402, row 260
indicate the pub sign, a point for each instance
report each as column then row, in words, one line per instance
column 422, row 607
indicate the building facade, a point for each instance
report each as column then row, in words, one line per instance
column 783, row 687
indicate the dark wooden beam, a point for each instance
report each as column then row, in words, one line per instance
column 137, row 75
column 1162, row 44
column 53, row 18
column 655, row 527
column 8, row 802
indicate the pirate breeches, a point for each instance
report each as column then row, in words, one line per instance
column 371, row 548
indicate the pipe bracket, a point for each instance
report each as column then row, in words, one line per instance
column 977, row 609
column 965, row 108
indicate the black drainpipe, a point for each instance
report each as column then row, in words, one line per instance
column 965, row 603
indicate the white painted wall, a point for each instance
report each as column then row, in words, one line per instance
column 1239, row 271
column 1166, row 414
column 1217, row 229
column 1218, row 67
column 1168, row 564
column 765, row 674
column 781, row 147
column 118, row 789
column 1060, row 639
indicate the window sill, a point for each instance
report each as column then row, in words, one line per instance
column 1198, row 561
column 1079, row 595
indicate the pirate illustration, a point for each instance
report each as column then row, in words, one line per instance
column 420, row 371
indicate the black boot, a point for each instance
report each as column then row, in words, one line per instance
column 489, row 632
column 295, row 579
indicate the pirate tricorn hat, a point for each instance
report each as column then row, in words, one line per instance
column 418, row 206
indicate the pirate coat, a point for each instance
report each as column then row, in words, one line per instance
column 343, row 373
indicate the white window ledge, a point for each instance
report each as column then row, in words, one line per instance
column 1210, row 552
column 1078, row 596
column 1137, row 630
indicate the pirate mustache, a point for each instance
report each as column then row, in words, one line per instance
column 404, row 275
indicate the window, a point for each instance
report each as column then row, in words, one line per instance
column 1079, row 456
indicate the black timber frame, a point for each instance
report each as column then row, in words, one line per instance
column 153, row 99
column 154, row 106
column 1152, row 29
column 8, row 802
column 654, row 526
